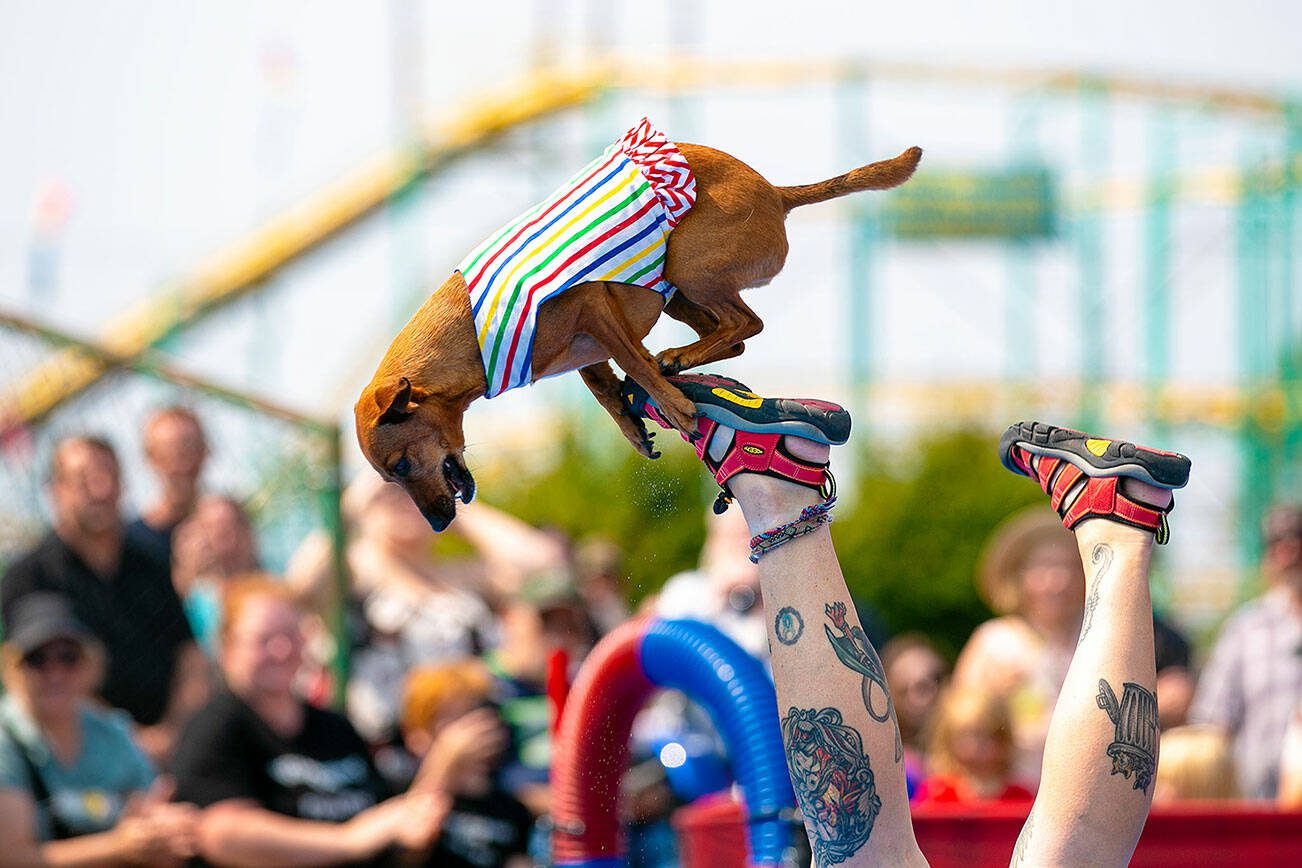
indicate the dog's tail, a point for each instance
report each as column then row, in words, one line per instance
column 875, row 176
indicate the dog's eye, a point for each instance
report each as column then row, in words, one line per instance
column 402, row 467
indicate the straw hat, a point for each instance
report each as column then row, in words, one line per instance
column 1005, row 554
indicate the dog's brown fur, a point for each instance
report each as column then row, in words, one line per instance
column 733, row 238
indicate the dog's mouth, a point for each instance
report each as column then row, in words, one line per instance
column 460, row 482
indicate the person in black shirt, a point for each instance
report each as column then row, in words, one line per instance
column 176, row 450
column 119, row 590
column 449, row 724
column 283, row 782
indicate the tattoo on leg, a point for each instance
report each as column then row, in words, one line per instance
column 833, row 782
column 1101, row 557
column 788, row 626
column 1023, row 841
column 856, row 652
column 1134, row 744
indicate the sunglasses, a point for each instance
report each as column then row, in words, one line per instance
column 66, row 657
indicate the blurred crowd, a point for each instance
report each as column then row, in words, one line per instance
column 166, row 698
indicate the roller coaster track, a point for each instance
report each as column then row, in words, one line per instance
column 242, row 267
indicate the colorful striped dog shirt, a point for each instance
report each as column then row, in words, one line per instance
column 610, row 221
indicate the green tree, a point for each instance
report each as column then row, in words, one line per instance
column 908, row 539
column 597, row 486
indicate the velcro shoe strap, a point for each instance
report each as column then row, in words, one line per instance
column 1068, row 478
column 704, row 434
column 1103, row 498
column 762, row 453
column 1044, row 470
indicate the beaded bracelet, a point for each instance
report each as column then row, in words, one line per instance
column 810, row 519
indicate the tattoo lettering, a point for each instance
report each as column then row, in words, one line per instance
column 1134, row 744
column 1023, row 841
column 833, row 782
column 856, row 652
column 1102, row 558
column 788, row 626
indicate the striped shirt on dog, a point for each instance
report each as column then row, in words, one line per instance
column 610, row 221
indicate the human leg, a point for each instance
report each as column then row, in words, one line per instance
column 1101, row 752
column 842, row 742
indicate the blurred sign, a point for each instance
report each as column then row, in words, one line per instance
column 1012, row 203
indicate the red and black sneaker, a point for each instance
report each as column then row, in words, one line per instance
column 1082, row 473
column 738, row 431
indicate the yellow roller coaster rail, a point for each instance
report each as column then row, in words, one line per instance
column 680, row 74
column 240, row 268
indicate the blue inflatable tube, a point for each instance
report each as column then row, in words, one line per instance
column 623, row 670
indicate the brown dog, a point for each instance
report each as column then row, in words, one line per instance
column 734, row 237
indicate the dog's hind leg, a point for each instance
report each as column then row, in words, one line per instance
column 605, row 323
column 737, row 322
column 605, row 387
column 701, row 321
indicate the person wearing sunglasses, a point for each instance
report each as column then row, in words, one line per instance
column 74, row 788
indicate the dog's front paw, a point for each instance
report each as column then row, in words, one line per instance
column 679, row 410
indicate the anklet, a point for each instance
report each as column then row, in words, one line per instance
column 810, row 519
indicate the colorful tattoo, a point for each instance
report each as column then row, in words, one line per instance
column 856, row 652
column 832, row 780
column 788, row 626
column 1134, row 745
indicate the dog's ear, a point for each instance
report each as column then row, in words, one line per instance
column 397, row 401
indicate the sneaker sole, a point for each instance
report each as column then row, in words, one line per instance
column 731, row 404
column 1096, row 456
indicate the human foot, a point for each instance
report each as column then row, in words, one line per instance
column 739, row 432
column 1094, row 477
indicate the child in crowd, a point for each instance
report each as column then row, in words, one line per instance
column 447, row 716
column 1194, row 763
column 972, row 751
column 916, row 674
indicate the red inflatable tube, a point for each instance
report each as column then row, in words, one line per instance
column 591, row 751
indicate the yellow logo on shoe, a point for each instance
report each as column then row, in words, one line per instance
column 1098, row 447
column 744, row 399
column 753, row 450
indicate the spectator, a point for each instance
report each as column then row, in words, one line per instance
column 1290, row 766
column 214, row 544
column 1175, row 681
column 284, row 782
column 915, row 672
column 547, row 615
column 176, row 449
column 1194, row 763
column 1031, row 576
column 724, row 590
column 119, row 590
column 1252, row 683
column 447, row 716
column 74, row 789
column 971, row 751
column 417, row 609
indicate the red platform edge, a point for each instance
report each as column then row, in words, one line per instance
column 1192, row 834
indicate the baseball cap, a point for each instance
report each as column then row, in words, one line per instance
column 41, row 617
